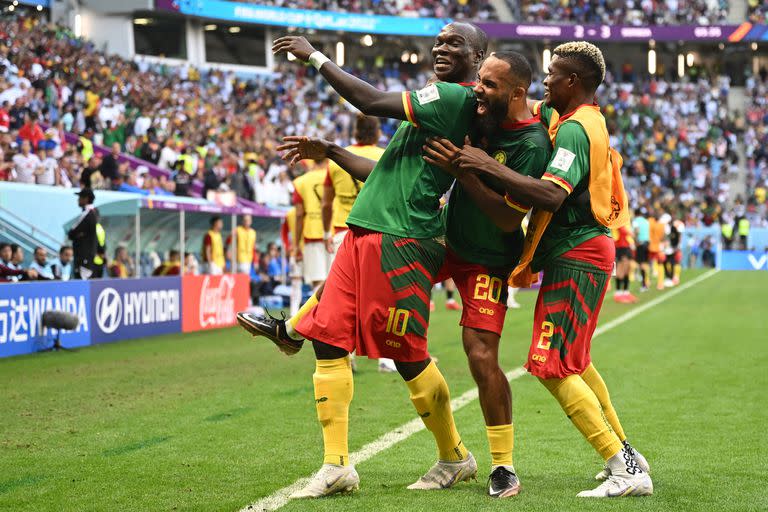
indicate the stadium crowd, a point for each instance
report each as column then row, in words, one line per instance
column 757, row 11
column 481, row 10
column 623, row 12
column 677, row 138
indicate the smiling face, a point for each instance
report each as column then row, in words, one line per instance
column 454, row 54
column 558, row 84
column 496, row 91
column 494, row 88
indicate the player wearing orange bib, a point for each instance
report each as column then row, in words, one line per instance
column 568, row 241
column 657, row 233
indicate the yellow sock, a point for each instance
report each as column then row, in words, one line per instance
column 660, row 275
column 501, row 440
column 303, row 310
column 334, row 388
column 582, row 407
column 430, row 396
column 677, row 270
column 598, row 387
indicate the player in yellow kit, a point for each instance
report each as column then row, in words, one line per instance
column 307, row 198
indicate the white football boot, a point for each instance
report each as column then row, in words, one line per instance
column 626, row 479
column 444, row 474
column 606, row 472
column 331, row 479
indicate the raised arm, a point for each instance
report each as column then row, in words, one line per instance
column 366, row 98
column 298, row 148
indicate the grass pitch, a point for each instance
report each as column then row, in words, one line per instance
column 215, row 421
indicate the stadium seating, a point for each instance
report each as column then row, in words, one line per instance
column 758, row 11
column 678, row 139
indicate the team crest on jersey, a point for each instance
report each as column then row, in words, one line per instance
column 428, row 94
column 500, row 157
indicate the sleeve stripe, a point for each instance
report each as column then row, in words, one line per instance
column 558, row 181
column 515, row 205
column 408, row 107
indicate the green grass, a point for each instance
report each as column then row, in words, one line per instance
column 214, row 421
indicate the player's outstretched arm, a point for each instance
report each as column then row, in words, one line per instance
column 366, row 98
column 542, row 194
column 441, row 153
column 298, row 148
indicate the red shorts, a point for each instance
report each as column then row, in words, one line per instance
column 376, row 297
column 567, row 308
column 656, row 256
column 483, row 292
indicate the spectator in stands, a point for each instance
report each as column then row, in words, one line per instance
column 109, row 164
column 122, row 265
column 171, row 266
column 6, row 167
column 26, row 165
column 150, row 151
column 90, row 177
column 214, row 261
column 62, row 267
column 83, row 236
column 181, row 179
column 31, row 131
column 49, row 169
column 41, row 265
column 5, row 118
column 168, row 155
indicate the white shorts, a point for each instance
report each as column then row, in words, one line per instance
column 337, row 239
column 244, row 268
column 317, row 262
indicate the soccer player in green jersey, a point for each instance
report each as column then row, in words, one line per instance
column 576, row 255
column 376, row 297
column 480, row 255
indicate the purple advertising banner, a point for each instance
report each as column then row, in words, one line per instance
column 620, row 32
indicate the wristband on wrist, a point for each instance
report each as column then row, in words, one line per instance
column 328, row 235
column 317, row 59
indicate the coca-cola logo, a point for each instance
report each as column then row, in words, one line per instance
column 217, row 303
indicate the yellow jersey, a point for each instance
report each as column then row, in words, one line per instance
column 345, row 186
column 246, row 241
column 308, row 191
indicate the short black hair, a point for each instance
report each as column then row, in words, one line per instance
column 215, row 219
column 64, row 248
column 519, row 67
column 366, row 129
column 3, row 245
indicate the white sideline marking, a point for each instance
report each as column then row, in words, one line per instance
column 280, row 497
